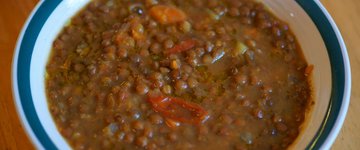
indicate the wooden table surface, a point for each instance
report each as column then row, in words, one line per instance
column 13, row 13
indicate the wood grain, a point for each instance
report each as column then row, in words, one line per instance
column 13, row 14
column 346, row 15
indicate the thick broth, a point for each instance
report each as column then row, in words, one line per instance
column 174, row 74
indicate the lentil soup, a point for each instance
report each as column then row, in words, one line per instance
column 174, row 74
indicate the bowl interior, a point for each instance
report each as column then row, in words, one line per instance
column 306, row 32
column 316, row 54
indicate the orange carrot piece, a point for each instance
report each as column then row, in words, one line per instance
column 252, row 32
column 138, row 34
column 119, row 38
column 167, row 14
column 171, row 123
column 308, row 70
column 137, row 29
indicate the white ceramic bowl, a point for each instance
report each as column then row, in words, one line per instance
column 315, row 30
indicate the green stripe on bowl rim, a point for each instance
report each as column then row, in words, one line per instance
column 333, row 45
column 31, row 31
column 27, row 43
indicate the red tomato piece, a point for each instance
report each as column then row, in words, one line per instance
column 182, row 46
column 178, row 109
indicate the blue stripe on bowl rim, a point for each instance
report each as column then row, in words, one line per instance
column 46, row 7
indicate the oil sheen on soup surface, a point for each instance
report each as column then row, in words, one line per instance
column 174, row 74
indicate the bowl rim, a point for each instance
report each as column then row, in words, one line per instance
column 325, row 136
column 340, row 72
